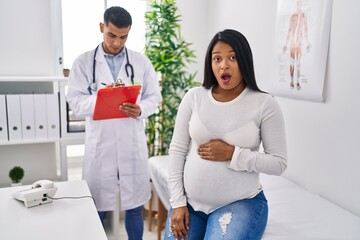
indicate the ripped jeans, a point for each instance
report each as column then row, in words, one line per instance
column 240, row 220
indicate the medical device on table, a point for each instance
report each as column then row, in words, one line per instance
column 38, row 194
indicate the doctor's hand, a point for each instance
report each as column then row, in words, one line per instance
column 180, row 222
column 131, row 109
column 216, row 150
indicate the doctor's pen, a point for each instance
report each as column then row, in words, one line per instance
column 117, row 83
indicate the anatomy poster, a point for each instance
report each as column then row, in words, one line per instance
column 302, row 39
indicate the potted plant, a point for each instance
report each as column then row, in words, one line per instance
column 16, row 174
column 66, row 72
column 169, row 54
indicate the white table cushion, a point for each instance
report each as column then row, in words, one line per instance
column 294, row 212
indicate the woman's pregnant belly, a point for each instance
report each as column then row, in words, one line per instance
column 211, row 184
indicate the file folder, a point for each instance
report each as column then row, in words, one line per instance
column 3, row 120
column 14, row 117
column 40, row 113
column 53, row 119
column 27, row 116
column 109, row 99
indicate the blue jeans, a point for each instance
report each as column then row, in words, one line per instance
column 134, row 222
column 244, row 219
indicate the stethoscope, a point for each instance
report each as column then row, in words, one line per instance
column 93, row 85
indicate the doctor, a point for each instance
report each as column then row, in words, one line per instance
column 115, row 149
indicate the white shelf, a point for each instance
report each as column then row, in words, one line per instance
column 20, row 142
column 33, row 79
column 48, row 154
column 39, row 70
column 73, row 137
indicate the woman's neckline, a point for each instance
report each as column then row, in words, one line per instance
column 226, row 102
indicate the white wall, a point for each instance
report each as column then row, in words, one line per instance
column 322, row 137
column 30, row 43
column 194, row 30
column 80, row 34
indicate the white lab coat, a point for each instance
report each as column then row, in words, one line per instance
column 115, row 150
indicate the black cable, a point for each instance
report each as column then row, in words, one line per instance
column 71, row 198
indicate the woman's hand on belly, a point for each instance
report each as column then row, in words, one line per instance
column 216, row 150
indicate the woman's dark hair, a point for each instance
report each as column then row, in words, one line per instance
column 243, row 56
column 117, row 16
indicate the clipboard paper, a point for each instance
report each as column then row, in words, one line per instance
column 108, row 101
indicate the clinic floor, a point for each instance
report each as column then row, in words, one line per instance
column 74, row 171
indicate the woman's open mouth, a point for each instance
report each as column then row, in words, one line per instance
column 225, row 77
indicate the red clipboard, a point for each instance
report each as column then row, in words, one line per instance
column 109, row 99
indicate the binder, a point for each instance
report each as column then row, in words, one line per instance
column 14, row 117
column 40, row 116
column 3, row 120
column 108, row 101
column 53, row 116
column 27, row 116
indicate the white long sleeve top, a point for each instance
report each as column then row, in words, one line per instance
column 244, row 122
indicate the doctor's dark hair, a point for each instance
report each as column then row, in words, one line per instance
column 243, row 56
column 117, row 16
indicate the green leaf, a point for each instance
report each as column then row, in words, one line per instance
column 169, row 54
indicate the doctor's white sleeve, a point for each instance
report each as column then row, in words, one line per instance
column 151, row 95
column 80, row 100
